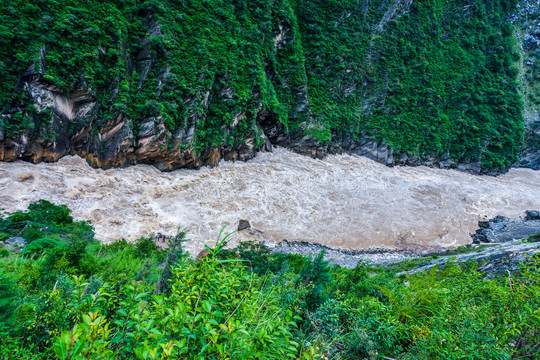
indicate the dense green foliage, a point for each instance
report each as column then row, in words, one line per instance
column 107, row 305
column 249, row 303
column 530, row 78
column 438, row 78
column 449, row 69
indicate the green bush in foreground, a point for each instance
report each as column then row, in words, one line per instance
column 110, row 303
column 213, row 311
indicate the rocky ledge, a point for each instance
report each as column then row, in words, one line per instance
column 500, row 245
column 492, row 259
column 348, row 258
column 501, row 229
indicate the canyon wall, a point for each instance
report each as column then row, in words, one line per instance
column 448, row 84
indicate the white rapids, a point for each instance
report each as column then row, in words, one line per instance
column 342, row 201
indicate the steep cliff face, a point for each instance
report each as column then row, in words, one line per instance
column 185, row 84
column 526, row 19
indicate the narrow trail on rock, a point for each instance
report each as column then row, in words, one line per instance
column 341, row 201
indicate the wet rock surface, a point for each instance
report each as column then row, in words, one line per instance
column 501, row 229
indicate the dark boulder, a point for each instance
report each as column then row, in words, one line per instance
column 501, row 229
column 532, row 215
column 243, row 224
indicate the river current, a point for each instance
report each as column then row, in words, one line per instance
column 341, row 201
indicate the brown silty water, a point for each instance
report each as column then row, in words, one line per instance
column 341, row 201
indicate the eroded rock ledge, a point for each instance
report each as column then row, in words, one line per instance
column 107, row 143
column 113, row 143
column 501, row 229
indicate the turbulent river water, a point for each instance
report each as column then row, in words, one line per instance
column 341, row 201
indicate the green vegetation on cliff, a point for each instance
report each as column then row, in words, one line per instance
column 78, row 299
column 430, row 77
column 445, row 72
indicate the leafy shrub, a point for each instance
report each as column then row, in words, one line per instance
column 8, row 298
column 44, row 219
column 145, row 247
column 40, row 246
column 11, row 347
column 43, row 211
column 116, row 246
column 361, row 281
column 221, row 314
column 261, row 261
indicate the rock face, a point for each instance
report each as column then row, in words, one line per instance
column 526, row 20
column 348, row 258
column 501, row 229
column 375, row 150
column 292, row 93
column 110, row 143
column 530, row 155
column 503, row 247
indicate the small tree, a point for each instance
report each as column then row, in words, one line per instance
column 175, row 253
column 314, row 276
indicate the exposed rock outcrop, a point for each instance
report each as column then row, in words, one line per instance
column 15, row 243
column 507, row 244
column 506, row 252
column 348, row 258
column 526, row 20
column 375, row 150
column 501, row 229
column 107, row 143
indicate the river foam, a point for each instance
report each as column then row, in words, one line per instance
column 341, row 201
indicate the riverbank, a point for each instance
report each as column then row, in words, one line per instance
column 499, row 244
